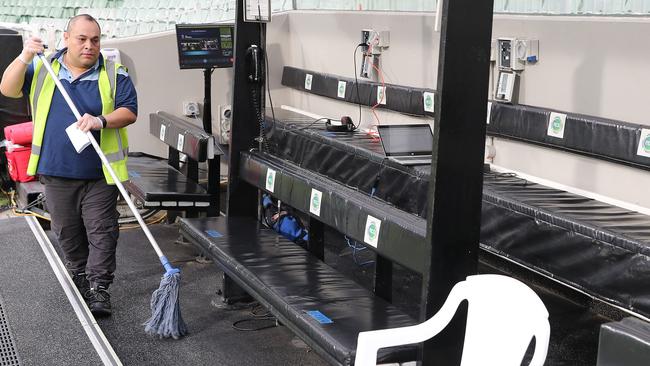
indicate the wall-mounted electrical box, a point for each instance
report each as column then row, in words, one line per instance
column 511, row 53
column 507, row 87
column 373, row 44
column 225, row 123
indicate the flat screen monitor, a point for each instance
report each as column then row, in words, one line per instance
column 205, row 46
column 405, row 140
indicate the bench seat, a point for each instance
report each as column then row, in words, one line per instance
column 154, row 183
column 293, row 284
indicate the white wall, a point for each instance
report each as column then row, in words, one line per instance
column 596, row 66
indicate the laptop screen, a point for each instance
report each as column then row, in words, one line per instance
column 403, row 140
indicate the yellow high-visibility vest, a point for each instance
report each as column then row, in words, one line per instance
column 113, row 141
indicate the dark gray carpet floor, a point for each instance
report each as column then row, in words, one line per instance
column 44, row 326
column 212, row 339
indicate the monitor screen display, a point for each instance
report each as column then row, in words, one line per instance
column 204, row 46
column 400, row 140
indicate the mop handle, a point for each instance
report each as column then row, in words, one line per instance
column 119, row 185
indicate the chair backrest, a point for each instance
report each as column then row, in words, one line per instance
column 503, row 316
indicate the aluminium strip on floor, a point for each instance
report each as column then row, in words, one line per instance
column 87, row 320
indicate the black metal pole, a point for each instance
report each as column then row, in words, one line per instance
column 456, row 182
column 242, row 197
column 214, row 165
column 316, row 243
column 207, row 97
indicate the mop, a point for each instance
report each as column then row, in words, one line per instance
column 166, row 320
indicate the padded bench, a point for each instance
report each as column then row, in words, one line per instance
column 156, row 184
column 598, row 248
column 312, row 299
column 160, row 184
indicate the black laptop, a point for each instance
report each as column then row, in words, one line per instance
column 407, row 144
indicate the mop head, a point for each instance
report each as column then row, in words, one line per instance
column 166, row 320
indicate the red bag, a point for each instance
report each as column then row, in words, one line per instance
column 20, row 134
column 17, row 161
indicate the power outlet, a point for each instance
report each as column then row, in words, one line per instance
column 191, row 109
column 225, row 123
column 365, row 36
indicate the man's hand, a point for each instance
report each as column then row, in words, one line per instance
column 31, row 47
column 13, row 77
column 88, row 122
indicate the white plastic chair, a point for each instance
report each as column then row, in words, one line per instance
column 503, row 316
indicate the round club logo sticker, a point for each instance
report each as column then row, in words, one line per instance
column 372, row 231
column 428, row 103
column 341, row 88
column 315, row 202
column 646, row 144
column 270, row 180
column 556, row 125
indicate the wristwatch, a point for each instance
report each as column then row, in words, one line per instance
column 103, row 119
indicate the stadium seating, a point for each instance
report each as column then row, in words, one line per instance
column 123, row 18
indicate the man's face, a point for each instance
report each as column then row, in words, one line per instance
column 82, row 39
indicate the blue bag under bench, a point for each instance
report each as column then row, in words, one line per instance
column 157, row 183
column 315, row 301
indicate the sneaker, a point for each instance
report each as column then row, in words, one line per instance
column 82, row 283
column 99, row 301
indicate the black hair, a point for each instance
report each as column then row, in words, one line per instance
column 82, row 16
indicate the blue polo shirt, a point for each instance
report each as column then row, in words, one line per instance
column 58, row 156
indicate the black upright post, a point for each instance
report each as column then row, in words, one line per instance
column 242, row 197
column 214, row 165
column 455, row 190
column 207, row 97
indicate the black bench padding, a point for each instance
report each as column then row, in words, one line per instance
column 602, row 249
column 401, row 237
column 290, row 282
column 154, row 181
column 195, row 141
column 624, row 343
column 354, row 159
column 399, row 98
column 596, row 137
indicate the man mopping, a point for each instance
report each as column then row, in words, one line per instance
column 81, row 195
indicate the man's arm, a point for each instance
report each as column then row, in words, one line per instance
column 126, row 107
column 14, row 76
column 119, row 118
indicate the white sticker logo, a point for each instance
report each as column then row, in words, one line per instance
column 556, row 123
column 381, row 95
column 308, row 79
column 163, row 129
column 315, row 201
column 644, row 143
column 181, row 142
column 428, row 102
column 341, row 91
column 373, row 226
column 270, row 180
column 489, row 113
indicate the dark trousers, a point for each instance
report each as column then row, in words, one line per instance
column 84, row 219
